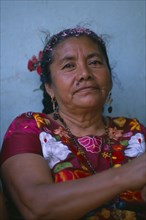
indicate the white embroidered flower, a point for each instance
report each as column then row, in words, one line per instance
column 136, row 146
column 53, row 151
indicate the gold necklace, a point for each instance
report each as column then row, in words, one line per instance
column 79, row 147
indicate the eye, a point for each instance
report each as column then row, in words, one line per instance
column 96, row 63
column 69, row 66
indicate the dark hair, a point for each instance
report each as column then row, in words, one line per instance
column 47, row 57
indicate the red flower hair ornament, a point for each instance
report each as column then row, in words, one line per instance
column 35, row 63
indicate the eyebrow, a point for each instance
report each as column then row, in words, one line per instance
column 70, row 57
column 66, row 58
column 94, row 54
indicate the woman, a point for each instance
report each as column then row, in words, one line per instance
column 60, row 164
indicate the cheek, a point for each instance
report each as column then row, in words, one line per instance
column 61, row 87
column 107, row 79
column 62, row 80
column 104, row 81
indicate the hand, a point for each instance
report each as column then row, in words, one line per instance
column 134, row 173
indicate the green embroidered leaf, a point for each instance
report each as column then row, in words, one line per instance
column 57, row 137
column 124, row 142
column 61, row 166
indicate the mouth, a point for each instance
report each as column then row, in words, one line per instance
column 87, row 89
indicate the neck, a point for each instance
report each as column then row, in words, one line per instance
column 84, row 124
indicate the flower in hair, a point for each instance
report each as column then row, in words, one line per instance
column 35, row 63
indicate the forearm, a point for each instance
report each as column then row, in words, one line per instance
column 73, row 199
column 37, row 197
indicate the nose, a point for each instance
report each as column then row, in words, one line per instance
column 84, row 73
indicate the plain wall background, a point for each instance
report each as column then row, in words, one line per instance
column 21, row 37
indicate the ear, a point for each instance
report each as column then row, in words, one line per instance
column 49, row 90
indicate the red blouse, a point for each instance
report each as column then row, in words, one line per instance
column 37, row 133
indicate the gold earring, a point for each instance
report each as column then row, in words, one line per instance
column 53, row 103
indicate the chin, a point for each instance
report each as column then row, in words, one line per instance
column 89, row 104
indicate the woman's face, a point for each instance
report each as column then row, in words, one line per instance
column 80, row 77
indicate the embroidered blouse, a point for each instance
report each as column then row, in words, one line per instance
column 37, row 133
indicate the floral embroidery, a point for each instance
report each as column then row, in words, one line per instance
column 120, row 121
column 114, row 214
column 126, row 214
column 61, row 132
column 105, row 213
column 118, row 158
column 117, row 155
column 91, row 144
column 128, row 134
column 106, row 155
column 136, row 146
column 131, row 196
column 117, row 147
column 114, row 133
column 134, row 125
column 53, row 151
column 40, row 120
column 62, row 166
column 66, row 174
column 124, row 142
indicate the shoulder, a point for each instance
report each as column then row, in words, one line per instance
column 27, row 120
column 22, row 135
column 27, row 116
column 127, row 124
column 121, row 121
column 130, row 134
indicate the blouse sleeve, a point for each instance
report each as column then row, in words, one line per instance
column 22, row 136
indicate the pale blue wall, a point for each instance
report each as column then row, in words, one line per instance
column 21, row 22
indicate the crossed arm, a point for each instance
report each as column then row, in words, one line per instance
column 29, row 181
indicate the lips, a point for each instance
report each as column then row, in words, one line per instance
column 87, row 88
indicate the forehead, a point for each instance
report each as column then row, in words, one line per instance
column 75, row 45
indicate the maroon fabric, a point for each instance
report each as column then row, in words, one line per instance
column 20, row 143
column 23, row 134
